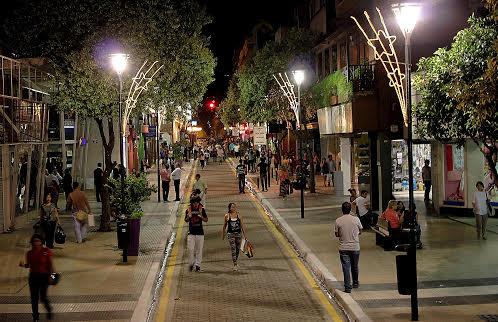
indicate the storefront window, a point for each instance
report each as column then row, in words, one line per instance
column 454, row 185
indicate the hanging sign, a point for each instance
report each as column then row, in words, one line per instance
column 259, row 134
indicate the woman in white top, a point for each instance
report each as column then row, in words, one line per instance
column 480, row 205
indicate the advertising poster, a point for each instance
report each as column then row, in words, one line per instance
column 454, row 183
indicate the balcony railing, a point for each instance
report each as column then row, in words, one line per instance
column 362, row 77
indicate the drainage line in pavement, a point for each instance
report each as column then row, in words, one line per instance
column 160, row 276
column 320, row 283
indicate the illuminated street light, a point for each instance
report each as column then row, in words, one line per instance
column 298, row 77
column 407, row 15
column 119, row 62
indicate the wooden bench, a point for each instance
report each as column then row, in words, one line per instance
column 382, row 235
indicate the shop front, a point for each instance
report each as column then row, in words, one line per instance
column 462, row 167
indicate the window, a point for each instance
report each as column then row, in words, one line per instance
column 326, row 57
column 333, row 58
column 319, row 65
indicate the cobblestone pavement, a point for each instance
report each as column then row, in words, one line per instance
column 95, row 285
column 266, row 287
column 458, row 279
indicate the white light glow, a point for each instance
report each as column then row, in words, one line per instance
column 407, row 15
column 298, row 76
column 119, row 62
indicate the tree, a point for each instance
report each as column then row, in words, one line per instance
column 458, row 89
column 259, row 99
column 86, row 33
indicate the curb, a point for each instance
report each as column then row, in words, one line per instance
column 146, row 299
column 327, row 279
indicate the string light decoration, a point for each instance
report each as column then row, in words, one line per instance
column 288, row 89
column 383, row 45
column 139, row 84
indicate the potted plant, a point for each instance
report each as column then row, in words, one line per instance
column 128, row 200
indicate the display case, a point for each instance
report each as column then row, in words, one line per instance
column 362, row 159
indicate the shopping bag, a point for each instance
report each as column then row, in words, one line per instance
column 60, row 235
column 81, row 216
column 243, row 245
column 249, row 250
column 91, row 220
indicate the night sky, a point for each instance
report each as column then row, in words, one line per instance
column 233, row 20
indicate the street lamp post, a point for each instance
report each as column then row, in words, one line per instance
column 406, row 16
column 299, row 78
column 119, row 62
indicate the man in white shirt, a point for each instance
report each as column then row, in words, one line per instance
column 367, row 218
column 176, row 175
column 348, row 229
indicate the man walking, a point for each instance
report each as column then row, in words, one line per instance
column 241, row 174
column 98, row 176
column 426, row 177
column 202, row 187
column 348, row 229
column 176, row 176
column 263, row 174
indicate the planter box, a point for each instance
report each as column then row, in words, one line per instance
column 134, row 237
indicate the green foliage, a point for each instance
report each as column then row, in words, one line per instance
column 259, row 98
column 129, row 200
column 229, row 107
column 456, row 103
column 335, row 84
column 458, row 89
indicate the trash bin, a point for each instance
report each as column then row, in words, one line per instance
column 123, row 230
column 404, row 272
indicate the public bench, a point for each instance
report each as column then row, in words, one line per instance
column 383, row 236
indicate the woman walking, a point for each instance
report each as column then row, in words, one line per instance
column 39, row 262
column 49, row 217
column 233, row 226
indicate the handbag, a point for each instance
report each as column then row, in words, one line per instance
column 91, row 220
column 54, row 279
column 249, row 250
column 81, row 216
column 60, row 235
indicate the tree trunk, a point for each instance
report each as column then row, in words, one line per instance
column 108, row 147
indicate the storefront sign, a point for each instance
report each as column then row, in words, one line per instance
column 152, row 131
column 259, row 134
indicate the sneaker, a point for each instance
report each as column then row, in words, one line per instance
column 235, row 267
column 347, row 290
column 191, row 268
column 484, row 237
column 356, row 285
column 198, row 269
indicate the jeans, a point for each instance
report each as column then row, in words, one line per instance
column 80, row 229
column 165, row 185
column 263, row 177
column 427, row 184
column 38, row 285
column 195, row 244
column 349, row 262
column 177, row 189
column 242, row 182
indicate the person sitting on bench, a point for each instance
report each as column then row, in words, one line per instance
column 393, row 217
column 408, row 221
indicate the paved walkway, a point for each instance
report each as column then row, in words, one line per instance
column 274, row 285
column 458, row 279
column 95, row 285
